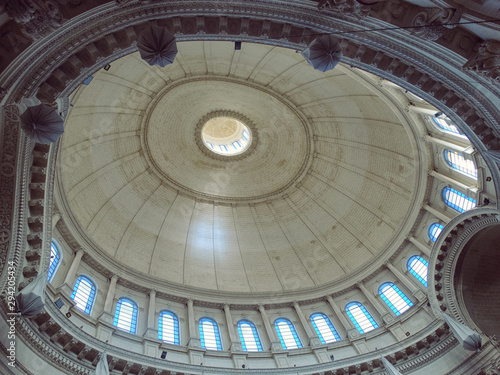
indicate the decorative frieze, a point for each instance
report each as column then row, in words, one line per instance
column 432, row 23
column 9, row 138
column 357, row 8
column 38, row 18
column 486, row 61
column 446, row 251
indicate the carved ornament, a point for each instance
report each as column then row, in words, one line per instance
column 486, row 61
column 432, row 23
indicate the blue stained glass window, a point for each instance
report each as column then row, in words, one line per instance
column 209, row 334
column 324, row 328
column 287, row 334
column 126, row 315
column 434, row 231
column 457, row 200
column 223, row 148
column 418, row 267
column 360, row 316
column 55, row 258
column 84, row 294
column 245, row 135
column 457, row 161
column 395, row 298
column 446, row 126
column 249, row 336
column 168, row 327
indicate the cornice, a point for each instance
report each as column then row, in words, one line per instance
column 52, row 351
column 15, row 160
column 444, row 258
column 402, row 46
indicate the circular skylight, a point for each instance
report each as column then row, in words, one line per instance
column 226, row 136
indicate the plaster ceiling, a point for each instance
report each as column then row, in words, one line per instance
column 324, row 191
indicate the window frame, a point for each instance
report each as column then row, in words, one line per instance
column 53, row 268
column 329, row 325
column 293, row 333
column 256, row 338
column 416, row 274
column 176, row 327
column 463, row 170
column 431, row 232
column 446, row 128
column 453, row 204
column 366, row 313
column 217, row 335
column 91, row 296
column 399, row 294
column 134, row 318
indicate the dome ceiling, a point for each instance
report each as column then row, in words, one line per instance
column 324, row 190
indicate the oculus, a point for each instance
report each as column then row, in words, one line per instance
column 226, row 135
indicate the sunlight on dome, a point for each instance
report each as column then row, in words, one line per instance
column 226, row 136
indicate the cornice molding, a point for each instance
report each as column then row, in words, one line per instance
column 65, row 360
column 444, row 257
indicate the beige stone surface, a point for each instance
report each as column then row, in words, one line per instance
column 325, row 191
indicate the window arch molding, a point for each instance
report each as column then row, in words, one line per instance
column 287, row 333
column 84, row 293
column 418, row 267
column 456, row 199
column 324, row 327
column 169, row 327
column 56, row 256
column 255, row 343
column 362, row 319
column 456, row 162
column 434, row 229
column 210, row 340
column 446, row 126
column 395, row 298
column 126, row 315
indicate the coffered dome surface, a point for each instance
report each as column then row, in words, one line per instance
column 325, row 189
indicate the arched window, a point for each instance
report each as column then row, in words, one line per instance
column 418, row 268
column 324, row 328
column 360, row 316
column 126, row 315
column 55, row 259
column 434, row 231
column 84, row 294
column 395, row 298
column 209, row 334
column 457, row 200
column 447, row 126
column 287, row 334
column 249, row 336
column 168, row 327
column 457, row 161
